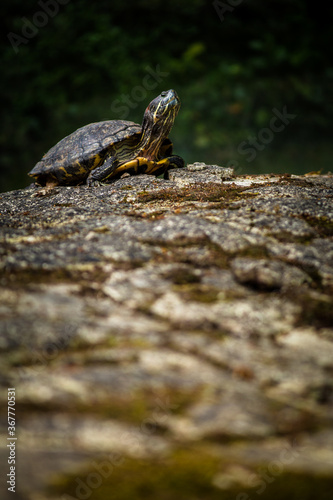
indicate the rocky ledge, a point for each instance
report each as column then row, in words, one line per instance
column 170, row 338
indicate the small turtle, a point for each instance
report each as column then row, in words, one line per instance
column 106, row 150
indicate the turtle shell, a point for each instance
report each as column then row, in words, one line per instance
column 71, row 160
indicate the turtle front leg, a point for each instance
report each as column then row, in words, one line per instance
column 111, row 169
column 163, row 166
column 103, row 172
column 143, row 166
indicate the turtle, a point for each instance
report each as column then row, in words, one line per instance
column 103, row 151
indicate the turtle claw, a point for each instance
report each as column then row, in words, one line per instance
column 93, row 183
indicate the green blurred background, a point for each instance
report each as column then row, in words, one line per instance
column 232, row 63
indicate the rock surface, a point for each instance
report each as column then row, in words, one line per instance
column 170, row 335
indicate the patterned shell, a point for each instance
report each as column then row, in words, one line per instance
column 71, row 159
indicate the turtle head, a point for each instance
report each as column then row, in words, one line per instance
column 163, row 106
column 158, row 120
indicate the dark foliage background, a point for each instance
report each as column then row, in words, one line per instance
column 231, row 62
